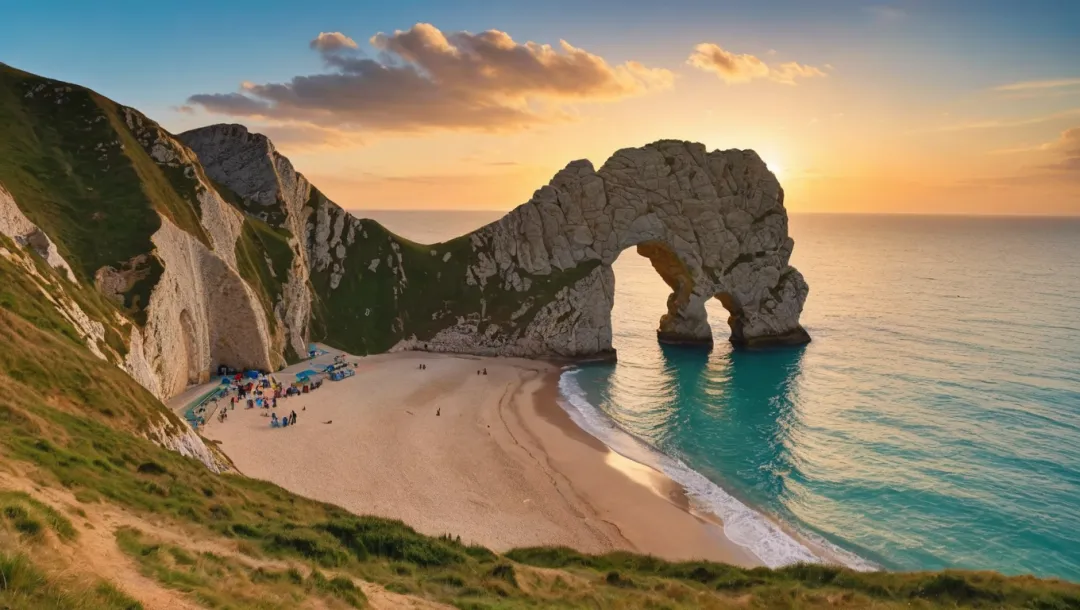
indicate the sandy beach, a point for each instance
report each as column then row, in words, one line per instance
column 492, row 458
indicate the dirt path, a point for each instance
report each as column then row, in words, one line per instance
column 95, row 552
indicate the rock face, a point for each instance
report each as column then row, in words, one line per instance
column 17, row 226
column 713, row 224
column 275, row 193
column 538, row 282
column 201, row 312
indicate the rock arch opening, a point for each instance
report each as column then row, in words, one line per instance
column 685, row 322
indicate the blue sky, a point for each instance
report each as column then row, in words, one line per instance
column 155, row 54
column 890, row 68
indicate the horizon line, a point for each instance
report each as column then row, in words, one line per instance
column 789, row 213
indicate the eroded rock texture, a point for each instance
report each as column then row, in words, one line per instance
column 713, row 224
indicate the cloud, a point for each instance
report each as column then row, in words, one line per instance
column 742, row 68
column 303, row 136
column 1000, row 123
column 426, row 79
column 887, row 14
column 1039, row 84
column 1067, row 148
column 1061, row 167
column 332, row 42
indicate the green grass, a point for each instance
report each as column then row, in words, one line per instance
column 31, row 516
column 370, row 311
column 78, row 172
column 264, row 258
column 24, row 586
column 227, row 582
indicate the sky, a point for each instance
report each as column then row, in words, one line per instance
column 867, row 106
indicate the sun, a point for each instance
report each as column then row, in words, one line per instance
column 775, row 167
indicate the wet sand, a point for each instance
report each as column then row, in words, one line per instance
column 492, row 458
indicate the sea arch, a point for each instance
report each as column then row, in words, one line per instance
column 712, row 224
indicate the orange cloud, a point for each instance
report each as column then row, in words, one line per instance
column 329, row 42
column 1068, row 149
column 428, row 80
column 299, row 137
column 741, row 68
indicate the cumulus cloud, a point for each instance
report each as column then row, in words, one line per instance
column 741, row 68
column 427, row 79
column 1067, row 148
column 331, row 42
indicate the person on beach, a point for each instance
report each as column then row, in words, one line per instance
column 274, row 421
column 485, row 370
column 292, row 416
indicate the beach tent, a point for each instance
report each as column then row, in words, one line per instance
column 304, row 374
column 225, row 381
column 252, row 374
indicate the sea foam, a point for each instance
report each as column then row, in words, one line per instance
column 742, row 525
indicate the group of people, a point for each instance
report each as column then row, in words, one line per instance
column 257, row 392
column 263, row 393
column 288, row 420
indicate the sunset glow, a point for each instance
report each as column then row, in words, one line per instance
column 897, row 107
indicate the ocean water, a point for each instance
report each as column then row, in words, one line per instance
column 933, row 422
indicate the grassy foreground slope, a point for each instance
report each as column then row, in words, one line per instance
column 93, row 515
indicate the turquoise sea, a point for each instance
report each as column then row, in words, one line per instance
column 933, row 422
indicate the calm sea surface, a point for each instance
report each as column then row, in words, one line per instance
column 933, row 422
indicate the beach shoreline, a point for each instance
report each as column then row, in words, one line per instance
column 493, row 458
